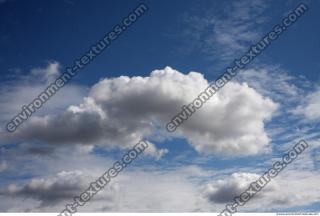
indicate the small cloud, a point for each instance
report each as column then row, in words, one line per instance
column 50, row 190
column 310, row 109
column 3, row 166
column 154, row 152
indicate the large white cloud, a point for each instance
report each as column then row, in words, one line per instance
column 120, row 111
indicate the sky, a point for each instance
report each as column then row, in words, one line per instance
column 131, row 90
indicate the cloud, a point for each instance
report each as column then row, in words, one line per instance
column 50, row 191
column 48, row 74
column 120, row 111
column 154, row 152
column 150, row 189
column 21, row 88
column 223, row 30
column 3, row 166
column 272, row 81
column 224, row 190
column 291, row 92
column 310, row 107
column 133, row 191
column 291, row 188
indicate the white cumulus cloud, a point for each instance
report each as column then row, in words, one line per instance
column 120, row 111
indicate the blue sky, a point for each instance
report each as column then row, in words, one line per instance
column 272, row 104
column 37, row 27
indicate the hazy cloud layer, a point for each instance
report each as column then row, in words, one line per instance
column 20, row 89
column 176, row 190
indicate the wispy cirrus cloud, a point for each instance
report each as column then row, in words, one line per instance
column 310, row 106
column 223, row 31
column 20, row 88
